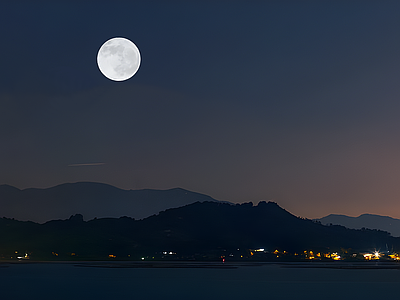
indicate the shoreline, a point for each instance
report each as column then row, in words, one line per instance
column 212, row 264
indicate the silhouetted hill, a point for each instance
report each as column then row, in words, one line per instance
column 199, row 229
column 264, row 226
column 384, row 223
column 90, row 199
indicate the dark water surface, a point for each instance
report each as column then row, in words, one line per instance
column 69, row 281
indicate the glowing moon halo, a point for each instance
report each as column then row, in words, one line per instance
column 118, row 59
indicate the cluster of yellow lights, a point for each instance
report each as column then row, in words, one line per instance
column 377, row 255
column 311, row 255
column 335, row 256
column 372, row 256
column 308, row 254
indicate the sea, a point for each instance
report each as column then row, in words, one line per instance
column 88, row 280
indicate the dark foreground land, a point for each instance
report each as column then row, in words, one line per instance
column 206, row 231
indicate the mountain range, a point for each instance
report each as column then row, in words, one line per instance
column 98, row 200
column 91, row 200
column 371, row 221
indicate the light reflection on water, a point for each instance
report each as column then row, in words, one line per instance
column 66, row 281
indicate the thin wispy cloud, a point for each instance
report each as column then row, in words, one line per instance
column 85, row 165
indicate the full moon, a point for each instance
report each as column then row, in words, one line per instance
column 118, row 59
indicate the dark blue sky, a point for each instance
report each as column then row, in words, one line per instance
column 291, row 101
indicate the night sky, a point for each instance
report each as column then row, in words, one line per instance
column 291, row 101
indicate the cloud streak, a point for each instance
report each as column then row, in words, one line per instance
column 85, row 165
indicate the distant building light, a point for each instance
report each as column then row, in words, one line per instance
column 335, row 256
column 368, row 256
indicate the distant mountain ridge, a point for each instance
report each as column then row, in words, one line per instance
column 91, row 200
column 370, row 221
